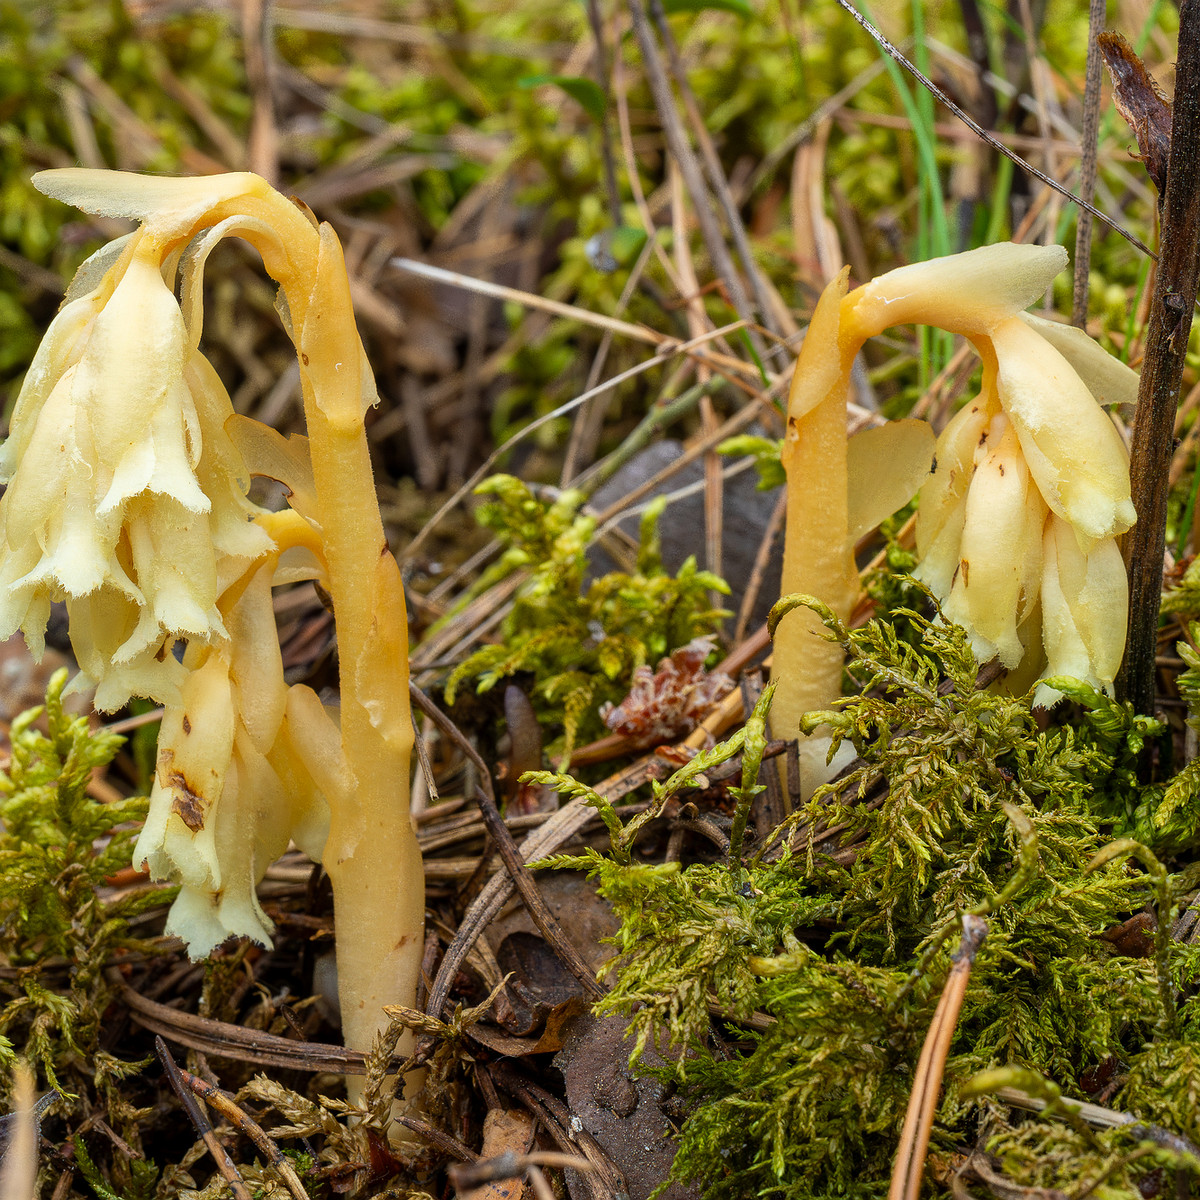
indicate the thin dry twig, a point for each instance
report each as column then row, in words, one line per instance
column 523, row 881
column 665, row 349
column 681, row 152
column 979, row 130
column 1087, row 164
column 258, row 39
column 559, row 828
column 606, row 1182
column 223, row 1040
column 244, row 1123
column 716, row 177
column 509, row 1165
column 225, row 1164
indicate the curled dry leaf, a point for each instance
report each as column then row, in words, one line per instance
column 1141, row 102
column 667, row 703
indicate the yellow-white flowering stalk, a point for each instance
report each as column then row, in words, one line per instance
column 1017, row 526
column 1032, row 464
column 127, row 478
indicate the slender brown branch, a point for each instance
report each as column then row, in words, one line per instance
column 240, row 1120
column 1087, row 164
column 1162, row 370
column 927, row 1082
column 523, row 881
column 509, row 1165
column 715, row 173
column 603, row 82
column 681, row 151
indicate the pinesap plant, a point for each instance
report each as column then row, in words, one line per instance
column 127, row 474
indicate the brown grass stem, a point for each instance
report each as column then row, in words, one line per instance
column 681, row 152
column 1087, row 164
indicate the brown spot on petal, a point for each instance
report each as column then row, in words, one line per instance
column 304, row 358
column 187, row 804
column 187, row 725
column 965, row 567
column 1000, row 468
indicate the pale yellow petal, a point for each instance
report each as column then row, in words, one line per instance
column 257, row 664
column 93, row 269
column 1108, row 379
column 58, row 352
column 995, row 550
column 268, row 453
column 967, row 293
column 195, row 745
column 943, row 493
column 1085, row 598
column 1073, row 450
column 170, row 206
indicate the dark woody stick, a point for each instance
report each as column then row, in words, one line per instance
column 1162, row 369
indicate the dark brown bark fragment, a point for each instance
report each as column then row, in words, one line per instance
column 1162, row 369
column 1142, row 103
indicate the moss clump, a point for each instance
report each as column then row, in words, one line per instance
column 837, row 934
column 59, row 923
column 580, row 639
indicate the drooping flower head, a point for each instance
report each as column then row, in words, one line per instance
column 1017, row 525
column 126, row 498
column 246, row 764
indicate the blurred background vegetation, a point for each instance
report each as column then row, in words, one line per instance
column 436, row 130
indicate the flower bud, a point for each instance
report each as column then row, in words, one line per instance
column 996, row 582
column 231, row 787
column 1072, row 447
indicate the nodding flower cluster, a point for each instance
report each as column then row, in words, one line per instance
column 126, row 497
column 1017, row 526
column 1018, row 520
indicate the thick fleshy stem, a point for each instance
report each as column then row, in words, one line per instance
column 371, row 856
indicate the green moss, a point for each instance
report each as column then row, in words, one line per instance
column 962, row 802
column 579, row 639
column 59, row 926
